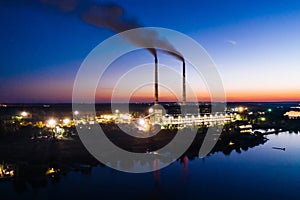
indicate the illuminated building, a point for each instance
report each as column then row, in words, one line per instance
column 293, row 114
column 245, row 128
column 6, row 171
column 190, row 120
column 156, row 116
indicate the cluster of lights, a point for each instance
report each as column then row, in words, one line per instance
column 239, row 109
column 263, row 119
column 292, row 114
column 66, row 121
column 51, row 122
column 107, row 117
column 24, row 114
column 142, row 122
column 143, row 125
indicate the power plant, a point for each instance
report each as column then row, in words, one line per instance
column 185, row 115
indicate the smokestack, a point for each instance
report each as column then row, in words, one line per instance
column 156, row 82
column 183, row 84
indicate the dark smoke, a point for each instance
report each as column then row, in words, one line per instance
column 111, row 16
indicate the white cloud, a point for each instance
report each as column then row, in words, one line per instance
column 232, row 42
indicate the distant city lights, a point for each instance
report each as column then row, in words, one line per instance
column 66, row 121
column 263, row 119
column 241, row 109
column 143, row 125
column 293, row 114
column 142, row 122
column 51, row 122
column 24, row 114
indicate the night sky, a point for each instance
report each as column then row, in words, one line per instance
column 254, row 44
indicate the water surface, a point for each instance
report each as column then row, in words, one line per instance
column 260, row 172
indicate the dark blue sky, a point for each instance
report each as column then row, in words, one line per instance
column 43, row 46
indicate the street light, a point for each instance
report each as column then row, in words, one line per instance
column 263, row 119
column 66, row 121
column 141, row 122
column 24, row 114
column 240, row 109
column 51, row 122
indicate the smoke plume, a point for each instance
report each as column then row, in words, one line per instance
column 113, row 17
column 110, row 16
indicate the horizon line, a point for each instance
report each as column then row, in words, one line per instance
column 291, row 101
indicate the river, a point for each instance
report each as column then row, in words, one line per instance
column 260, row 172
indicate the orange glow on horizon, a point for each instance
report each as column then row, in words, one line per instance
column 264, row 96
column 231, row 96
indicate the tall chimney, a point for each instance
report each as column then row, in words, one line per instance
column 156, row 82
column 183, row 84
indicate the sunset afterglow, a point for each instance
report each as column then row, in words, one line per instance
column 255, row 46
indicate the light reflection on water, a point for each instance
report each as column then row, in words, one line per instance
column 260, row 172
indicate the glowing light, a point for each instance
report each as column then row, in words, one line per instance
column 107, row 117
column 245, row 126
column 263, row 119
column 141, row 122
column 117, row 111
column 76, row 112
column 241, row 109
column 269, row 110
column 66, row 121
column 51, row 171
column 292, row 114
column 238, row 117
column 59, row 130
column 143, row 125
column 24, row 114
column 51, row 122
column 151, row 110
